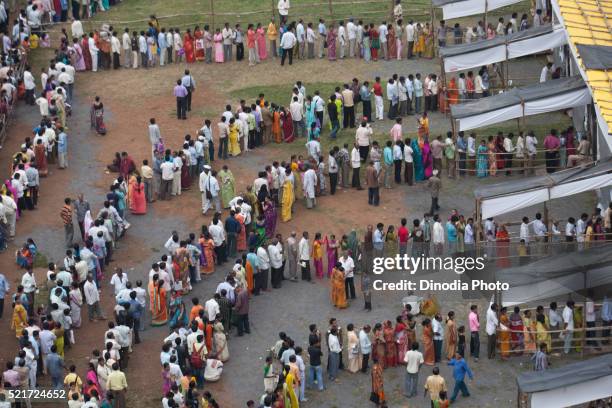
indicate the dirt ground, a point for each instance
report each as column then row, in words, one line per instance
column 131, row 98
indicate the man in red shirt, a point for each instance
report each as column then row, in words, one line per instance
column 403, row 234
column 378, row 98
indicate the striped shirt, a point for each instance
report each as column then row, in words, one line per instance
column 66, row 214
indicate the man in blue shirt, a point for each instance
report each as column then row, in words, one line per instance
column 460, row 369
column 388, row 161
column 135, row 313
column 4, row 288
column 55, row 368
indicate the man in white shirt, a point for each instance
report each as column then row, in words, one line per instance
column 382, row 33
column 119, row 280
column 228, row 36
column 300, row 34
column 126, row 48
column 116, row 50
column 539, row 229
column 414, row 360
column 209, row 187
column 568, row 326
column 524, row 231
column 349, row 273
column 437, row 236
column 304, row 256
column 471, row 151
column 30, row 85
column 287, row 43
column 297, row 116
column 92, row 298
column 314, row 149
column 408, row 162
column 217, row 233
column 410, row 38
column 335, row 349
column 438, row 336
column 263, row 267
column 212, row 307
column 283, row 10
column 491, row 329
column 93, row 51
column 546, row 72
column 276, row 263
column 341, row 39
column 77, row 29
column 351, row 30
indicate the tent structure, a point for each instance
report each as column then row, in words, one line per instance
column 570, row 385
column 502, row 48
column 557, row 275
column 500, row 198
column 463, row 8
column 544, row 97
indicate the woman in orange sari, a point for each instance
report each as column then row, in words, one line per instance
column 207, row 259
column 453, row 92
column 503, row 247
column 188, row 45
column 427, row 339
column 241, row 243
column 137, row 200
column 378, row 344
column 276, row 124
column 249, row 275
column 378, row 383
column 40, row 158
column 158, row 303
column 338, row 294
column 199, row 43
column 390, row 345
column 422, row 128
column 504, row 334
column 451, row 336
column 20, row 318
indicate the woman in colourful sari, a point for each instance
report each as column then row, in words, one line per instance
column 378, row 383
column 427, row 158
column 188, row 43
column 276, row 124
column 504, row 334
column 482, row 160
column 97, row 116
column 338, row 294
column 260, row 231
column 542, row 334
column 158, row 307
column 517, row 338
column 241, row 242
column 292, row 384
column 374, row 42
column 422, row 127
column 428, row 51
column 401, row 338
column 453, row 92
column 419, row 41
column 529, row 332
column 79, row 60
column 428, row 346
column 86, row 53
column 331, row 42
column 40, row 158
column 450, row 340
column 492, row 156
column 502, row 239
column 391, row 41
column 418, row 162
column 269, row 210
column 331, row 246
column 218, row 40
column 76, row 302
column 234, row 143
column 207, row 258
column 91, row 381
column 198, row 36
column 20, row 317
column 138, row 201
column 287, row 200
column 390, row 345
column 228, row 186
column 178, row 315
column 260, row 38
column 310, row 118
column 287, row 125
column 24, row 257
column 317, row 255
column 366, row 44
column 378, row 344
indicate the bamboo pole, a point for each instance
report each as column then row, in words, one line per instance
column 331, row 10
column 272, row 4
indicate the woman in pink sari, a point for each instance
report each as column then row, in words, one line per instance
column 427, row 158
column 331, row 42
column 91, row 381
column 260, row 38
column 138, row 202
column 79, row 63
column 218, row 40
column 332, row 253
column 401, row 338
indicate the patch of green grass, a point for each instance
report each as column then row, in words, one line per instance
column 40, row 261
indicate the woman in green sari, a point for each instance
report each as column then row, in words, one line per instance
column 418, row 162
column 228, row 186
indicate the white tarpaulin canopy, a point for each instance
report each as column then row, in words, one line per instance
column 465, row 56
column 550, row 96
column 463, row 8
column 569, row 385
column 500, row 198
